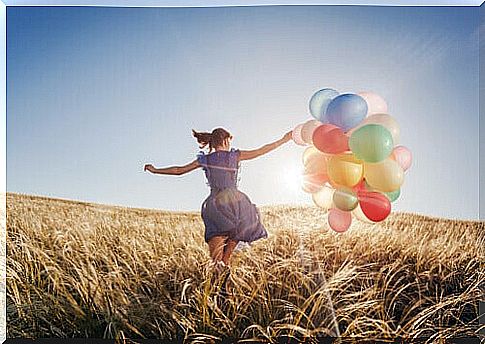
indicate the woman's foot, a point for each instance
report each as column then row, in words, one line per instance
column 221, row 275
column 224, row 281
column 220, row 267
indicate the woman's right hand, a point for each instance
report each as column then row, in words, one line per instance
column 148, row 167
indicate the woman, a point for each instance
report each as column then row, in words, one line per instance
column 229, row 215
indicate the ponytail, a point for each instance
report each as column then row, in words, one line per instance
column 203, row 139
column 213, row 140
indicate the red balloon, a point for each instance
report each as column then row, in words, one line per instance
column 329, row 138
column 375, row 206
column 326, row 127
column 360, row 187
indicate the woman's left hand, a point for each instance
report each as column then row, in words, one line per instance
column 288, row 136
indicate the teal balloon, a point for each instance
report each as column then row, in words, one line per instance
column 346, row 111
column 393, row 195
column 371, row 143
column 319, row 103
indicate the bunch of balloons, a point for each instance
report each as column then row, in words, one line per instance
column 353, row 163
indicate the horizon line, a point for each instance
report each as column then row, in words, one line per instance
column 68, row 200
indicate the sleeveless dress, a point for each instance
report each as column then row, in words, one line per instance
column 228, row 211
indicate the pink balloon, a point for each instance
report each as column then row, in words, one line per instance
column 402, row 156
column 308, row 129
column 339, row 220
column 296, row 135
column 313, row 182
column 375, row 103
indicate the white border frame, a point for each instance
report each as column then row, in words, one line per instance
column 137, row 3
column 227, row 3
column 3, row 171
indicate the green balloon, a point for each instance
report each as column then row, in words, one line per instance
column 393, row 195
column 371, row 143
column 345, row 199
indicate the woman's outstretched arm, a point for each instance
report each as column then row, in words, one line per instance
column 173, row 170
column 251, row 154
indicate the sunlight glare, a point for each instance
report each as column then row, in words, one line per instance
column 292, row 178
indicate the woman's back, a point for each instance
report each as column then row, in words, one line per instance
column 220, row 168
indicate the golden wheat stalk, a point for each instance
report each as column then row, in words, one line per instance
column 84, row 270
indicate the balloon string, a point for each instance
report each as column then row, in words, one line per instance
column 305, row 262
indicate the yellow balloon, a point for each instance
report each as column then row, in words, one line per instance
column 323, row 198
column 345, row 170
column 384, row 176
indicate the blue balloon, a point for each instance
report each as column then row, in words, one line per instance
column 319, row 102
column 346, row 111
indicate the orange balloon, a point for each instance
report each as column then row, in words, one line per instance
column 313, row 182
column 316, row 163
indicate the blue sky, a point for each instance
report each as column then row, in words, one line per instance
column 94, row 93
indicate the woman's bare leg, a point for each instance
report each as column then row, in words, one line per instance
column 228, row 249
column 216, row 248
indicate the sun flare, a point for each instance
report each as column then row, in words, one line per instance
column 292, row 178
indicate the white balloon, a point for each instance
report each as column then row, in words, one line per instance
column 375, row 103
column 386, row 120
column 359, row 215
column 323, row 198
column 296, row 135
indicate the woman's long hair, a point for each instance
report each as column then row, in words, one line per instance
column 213, row 140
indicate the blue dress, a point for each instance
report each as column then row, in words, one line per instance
column 228, row 211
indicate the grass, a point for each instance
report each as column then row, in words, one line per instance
column 86, row 270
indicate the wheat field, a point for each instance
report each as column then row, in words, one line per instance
column 87, row 270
